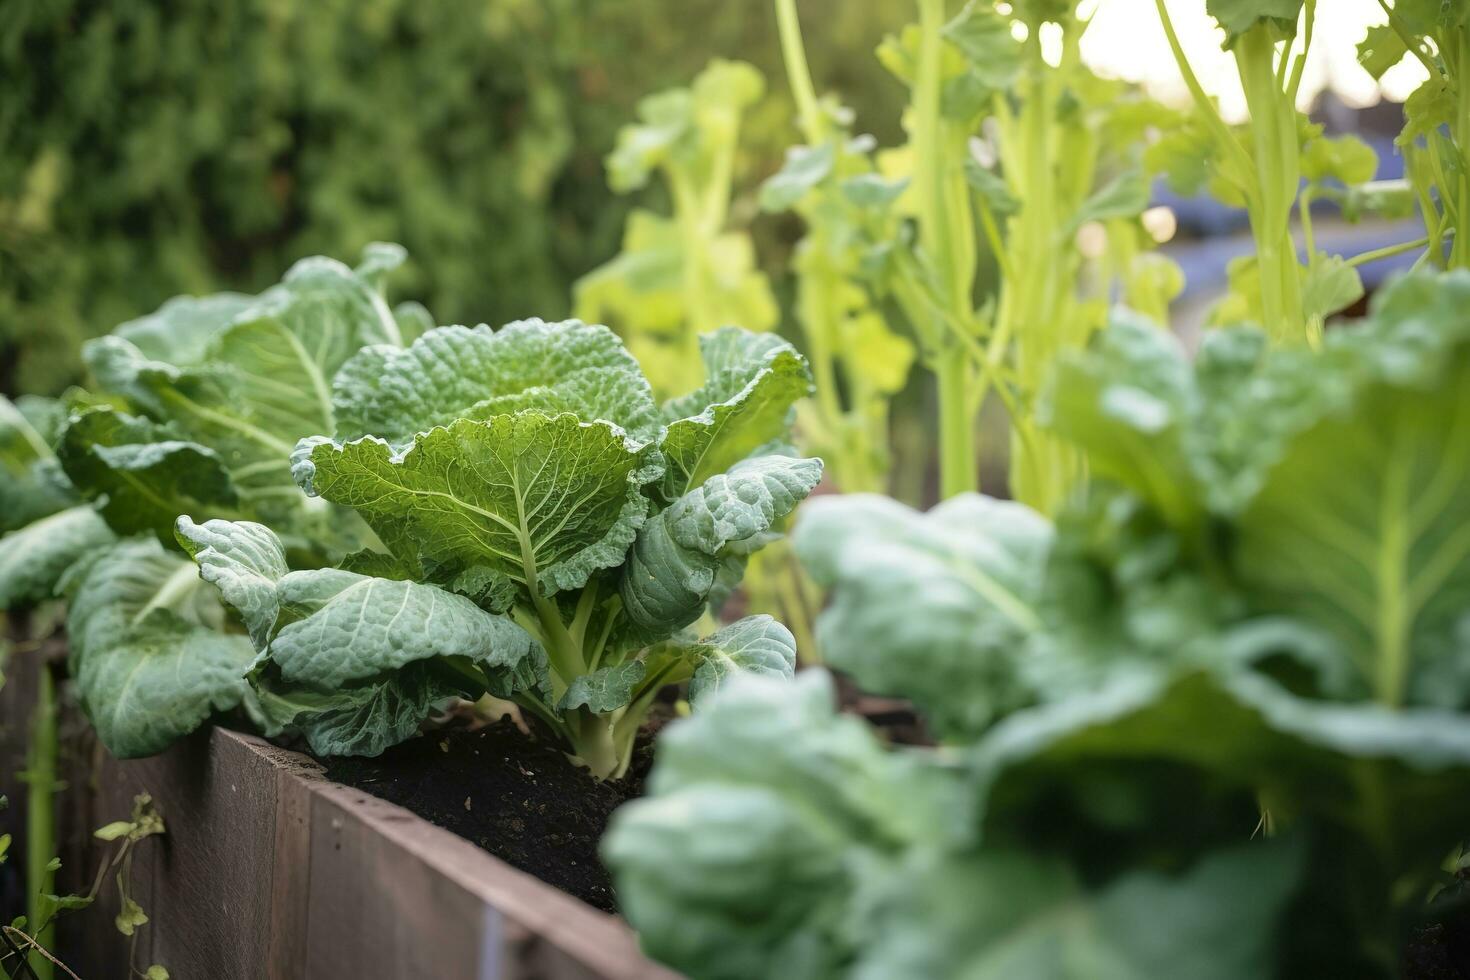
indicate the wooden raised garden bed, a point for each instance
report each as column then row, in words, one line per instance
column 268, row 869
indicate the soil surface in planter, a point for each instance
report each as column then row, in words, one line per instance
column 518, row 798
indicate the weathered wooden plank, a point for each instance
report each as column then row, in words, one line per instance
column 268, row 870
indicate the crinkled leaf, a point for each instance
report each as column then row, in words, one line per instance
column 149, row 659
column 347, row 627
column 936, row 607
column 362, row 719
column 753, row 380
column 544, row 500
column 249, row 387
column 671, row 571
column 767, row 816
column 335, row 627
column 605, row 689
column 755, row 645
column 457, row 373
column 244, row 561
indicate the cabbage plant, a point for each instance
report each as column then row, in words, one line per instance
column 194, row 409
column 549, row 534
column 1211, row 722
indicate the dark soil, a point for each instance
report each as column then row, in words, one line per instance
column 517, row 797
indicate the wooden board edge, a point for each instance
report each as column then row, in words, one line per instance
column 601, row 943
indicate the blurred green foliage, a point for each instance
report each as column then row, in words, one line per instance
column 149, row 149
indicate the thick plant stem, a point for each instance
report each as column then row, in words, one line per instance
column 41, row 822
column 595, row 745
column 1277, row 170
column 957, row 463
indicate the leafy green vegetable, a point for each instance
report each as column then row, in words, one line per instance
column 550, row 533
column 199, row 408
column 33, row 486
column 340, row 643
column 1213, row 713
column 147, row 652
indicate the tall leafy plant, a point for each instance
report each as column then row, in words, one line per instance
column 196, row 409
column 681, row 276
column 1009, row 157
column 1209, row 722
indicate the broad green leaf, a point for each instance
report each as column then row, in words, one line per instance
column 995, row 915
column 543, row 500
column 32, row 485
column 672, row 569
column 456, row 373
column 329, row 627
column 753, row 381
column 936, row 607
column 755, row 645
column 180, row 330
column 141, row 475
column 341, row 627
column 33, row 558
column 768, row 816
column 1362, row 527
column 1126, row 402
column 1189, row 439
column 248, row 388
column 149, row 659
column 605, row 689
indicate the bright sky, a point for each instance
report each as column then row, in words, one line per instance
column 1127, row 41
